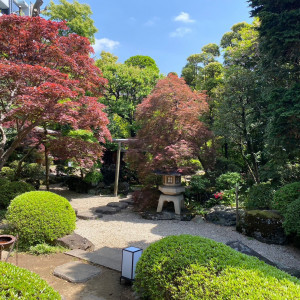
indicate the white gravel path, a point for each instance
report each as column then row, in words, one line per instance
column 127, row 228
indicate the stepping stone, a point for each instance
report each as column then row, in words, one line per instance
column 107, row 257
column 107, row 210
column 128, row 200
column 88, row 215
column 76, row 272
column 121, row 205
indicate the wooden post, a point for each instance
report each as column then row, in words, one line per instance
column 117, row 170
column 237, row 203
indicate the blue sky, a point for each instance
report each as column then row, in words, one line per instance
column 166, row 30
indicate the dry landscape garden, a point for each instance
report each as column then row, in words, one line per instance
column 201, row 169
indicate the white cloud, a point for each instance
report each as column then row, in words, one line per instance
column 180, row 32
column 184, row 17
column 151, row 22
column 105, row 44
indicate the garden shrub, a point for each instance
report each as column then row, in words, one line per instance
column 19, row 283
column 40, row 217
column 145, row 199
column 260, row 196
column 41, row 249
column 3, row 181
column 197, row 189
column 193, row 267
column 10, row 190
column 93, row 177
column 228, row 180
column 291, row 222
column 8, row 173
column 285, row 195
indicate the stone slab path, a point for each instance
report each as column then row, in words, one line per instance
column 76, row 272
column 107, row 257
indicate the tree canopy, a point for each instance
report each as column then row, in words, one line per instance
column 77, row 17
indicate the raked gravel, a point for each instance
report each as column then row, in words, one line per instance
column 128, row 228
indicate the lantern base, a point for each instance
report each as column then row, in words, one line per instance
column 178, row 201
column 126, row 280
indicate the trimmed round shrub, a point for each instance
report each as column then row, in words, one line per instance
column 19, row 283
column 291, row 223
column 12, row 189
column 228, row 180
column 286, row 195
column 40, row 217
column 192, row 267
column 260, row 196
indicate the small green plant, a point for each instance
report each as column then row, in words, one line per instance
column 19, row 283
column 10, row 190
column 228, row 180
column 197, row 188
column 93, row 177
column 8, row 173
column 260, row 196
column 291, row 222
column 41, row 249
column 285, row 195
column 193, row 267
column 40, row 217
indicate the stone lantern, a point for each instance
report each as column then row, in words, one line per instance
column 171, row 191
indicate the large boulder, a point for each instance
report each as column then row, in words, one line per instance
column 222, row 215
column 76, row 241
column 263, row 225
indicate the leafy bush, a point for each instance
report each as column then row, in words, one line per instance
column 197, row 188
column 291, row 222
column 12, row 189
column 19, row 283
column 286, row 195
column 44, row 248
column 3, row 181
column 7, row 173
column 260, row 196
column 40, row 217
column 93, row 177
column 145, row 199
column 192, row 267
column 228, row 180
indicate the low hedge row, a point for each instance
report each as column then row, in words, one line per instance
column 21, row 284
column 192, row 267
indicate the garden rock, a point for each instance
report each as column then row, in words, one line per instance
column 222, row 215
column 107, row 210
column 121, row 205
column 128, row 200
column 167, row 215
column 76, row 241
column 88, row 215
column 263, row 225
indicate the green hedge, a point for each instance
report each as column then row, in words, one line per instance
column 260, row 196
column 18, row 283
column 286, row 195
column 291, row 222
column 10, row 190
column 40, row 217
column 192, row 267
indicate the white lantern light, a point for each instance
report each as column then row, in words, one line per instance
column 130, row 257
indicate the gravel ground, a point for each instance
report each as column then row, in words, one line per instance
column 127, row 228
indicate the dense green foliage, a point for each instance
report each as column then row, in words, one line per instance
column 286, row 195
column 40, row 217
column 192, row 267
column 93, row 177
column 260, row 196
column 19, row 283
column 142, row 62
column 11, row 190
column 291, row 222
column 41, row 249
column 77, row 16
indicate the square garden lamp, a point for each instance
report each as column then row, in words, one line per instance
column 130, row 257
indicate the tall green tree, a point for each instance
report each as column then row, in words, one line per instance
column 279, row 44
column 127, row 86
column 142, row 62
column 77, row 16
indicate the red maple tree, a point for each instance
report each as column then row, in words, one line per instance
column 171, row 133
column 47, row 79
